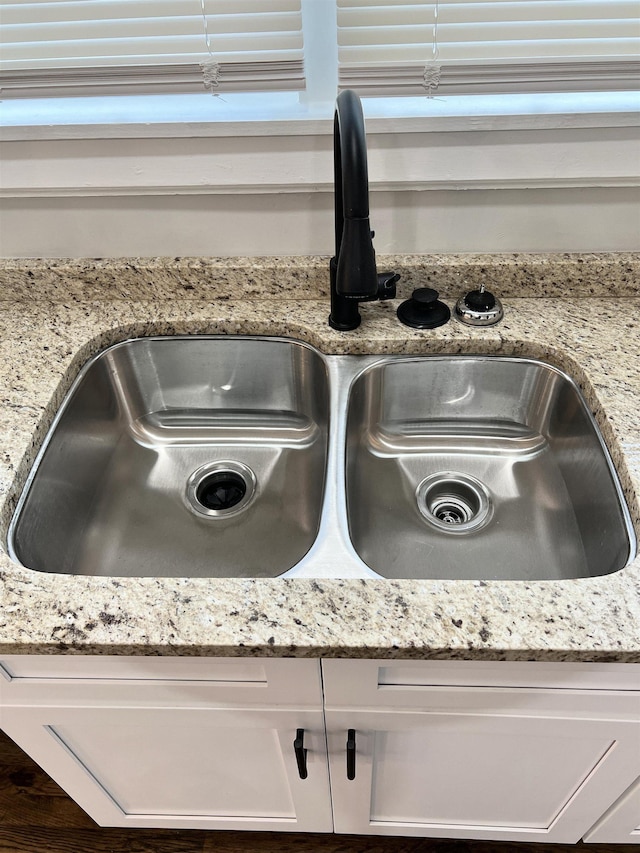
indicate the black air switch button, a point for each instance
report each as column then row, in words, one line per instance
column 424, row 310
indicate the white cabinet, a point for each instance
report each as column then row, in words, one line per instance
column 162, row 742
column 506, row 751
column 478, row 751
column 621, row 823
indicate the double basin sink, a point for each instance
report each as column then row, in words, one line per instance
column 260, row 457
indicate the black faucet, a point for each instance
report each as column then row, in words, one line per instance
column 352, row 271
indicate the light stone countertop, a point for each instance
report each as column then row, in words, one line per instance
column 580, row 313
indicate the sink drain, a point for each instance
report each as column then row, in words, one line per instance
column 220, row 489
column 454, row 503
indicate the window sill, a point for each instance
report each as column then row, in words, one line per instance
column 193, row 116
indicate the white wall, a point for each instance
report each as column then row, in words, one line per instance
column 456, row 186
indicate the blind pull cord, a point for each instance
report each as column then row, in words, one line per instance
column 432, row 70
column 210, row 67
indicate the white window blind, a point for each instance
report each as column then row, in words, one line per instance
column 89, row 47
column 383, row 47
column 504, row 46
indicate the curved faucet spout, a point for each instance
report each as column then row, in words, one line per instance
column 353, row 272
column 350, row 163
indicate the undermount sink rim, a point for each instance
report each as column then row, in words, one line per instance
column 367, row 361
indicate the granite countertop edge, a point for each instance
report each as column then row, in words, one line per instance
column 47, row 335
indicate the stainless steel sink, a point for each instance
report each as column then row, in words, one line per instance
column 479, row 468
column 257, row 457
column 182, row 457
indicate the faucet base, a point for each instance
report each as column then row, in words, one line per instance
column 344, row 315
column 344, row 327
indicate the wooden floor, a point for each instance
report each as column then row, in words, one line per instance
column 37, row 817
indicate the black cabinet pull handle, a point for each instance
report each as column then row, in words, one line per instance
column 301, row 753
column 351, row 754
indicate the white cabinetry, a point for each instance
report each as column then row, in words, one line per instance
column 510, row 751
column 488, row 751
column 170, row 742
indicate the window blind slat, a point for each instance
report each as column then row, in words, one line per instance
column 519, row 34
column 107, row 28
column 26, row 12
column 143, row 79
column 496, row 79
column 385, row 13
column 544, row 6
column 227, row 48
column 498, row 51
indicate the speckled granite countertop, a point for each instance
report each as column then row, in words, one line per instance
column 580, row 313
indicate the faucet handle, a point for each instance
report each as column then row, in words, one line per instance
column 387, row 284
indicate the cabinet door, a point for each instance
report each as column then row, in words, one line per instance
column 476, row 762
column 621, row 824
column 174, row 752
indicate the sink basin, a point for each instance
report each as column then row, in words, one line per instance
column 260, row 457
column 479, row 468
column 182, row 457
